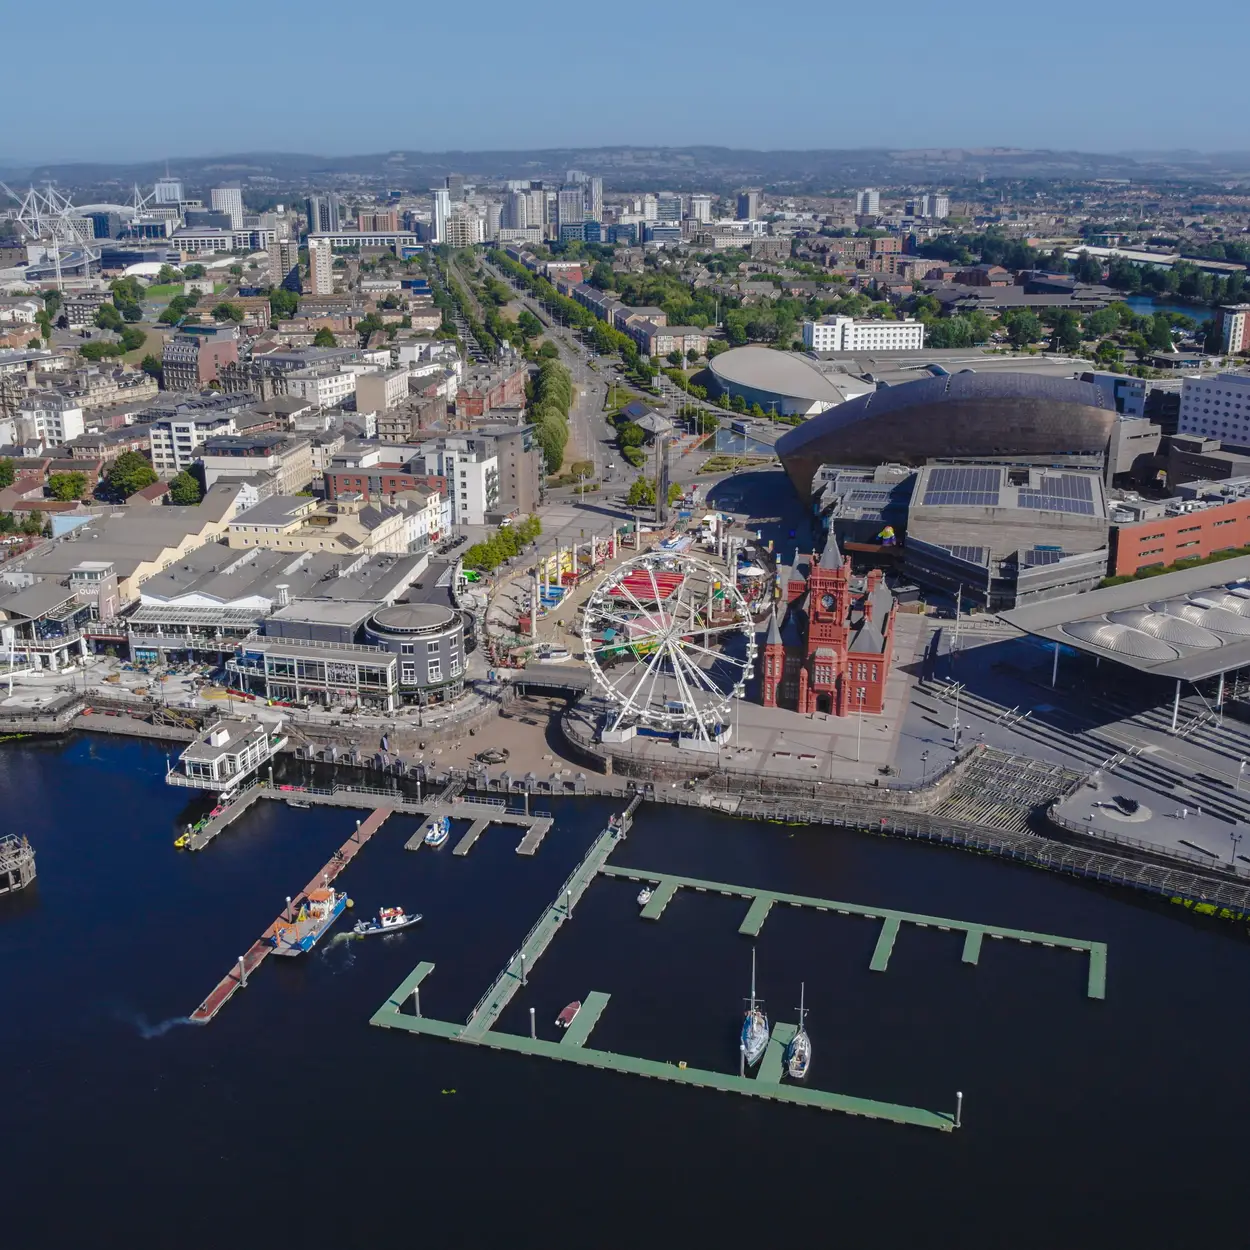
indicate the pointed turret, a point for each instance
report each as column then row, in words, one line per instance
column 830, row 554
column 774, row 632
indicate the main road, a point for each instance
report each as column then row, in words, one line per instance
column 591, row 434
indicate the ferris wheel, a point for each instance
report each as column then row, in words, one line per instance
column 670, row 641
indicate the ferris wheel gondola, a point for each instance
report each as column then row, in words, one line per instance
column 670, row 642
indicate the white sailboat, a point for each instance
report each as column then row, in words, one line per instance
column 799, row 1051
column 754, row 1025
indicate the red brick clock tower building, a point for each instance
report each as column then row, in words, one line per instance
column 831, row 637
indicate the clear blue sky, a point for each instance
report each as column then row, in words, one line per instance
column 117, row 83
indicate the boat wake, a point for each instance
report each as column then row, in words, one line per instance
column 148, row 1031
column 345, row 946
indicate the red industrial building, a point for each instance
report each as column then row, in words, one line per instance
column 829, row 651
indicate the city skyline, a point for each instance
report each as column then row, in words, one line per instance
column 1023, row 97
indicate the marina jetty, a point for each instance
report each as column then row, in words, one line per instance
column 402, row 1010
column 266, row 944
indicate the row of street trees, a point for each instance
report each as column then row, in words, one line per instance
column 507, row 541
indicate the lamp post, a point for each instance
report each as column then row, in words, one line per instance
column 924, row 765
column 1235, row 838
column 1241, row 768
column 859, row 723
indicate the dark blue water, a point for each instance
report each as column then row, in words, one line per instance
column 1147, row 306
column 1086, row 1124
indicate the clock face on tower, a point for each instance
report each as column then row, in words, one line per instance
column 826, row 601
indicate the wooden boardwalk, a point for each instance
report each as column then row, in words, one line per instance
column 236, row 978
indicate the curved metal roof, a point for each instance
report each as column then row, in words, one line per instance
column 788, row 374
column 1205, row 612
column 1232, row 601
column 935, row 391
column 1120, row 640
column 1166, row 628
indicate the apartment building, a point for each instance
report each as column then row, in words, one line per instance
column 1232, row 328
column 858, row 334
column 321, row 266
column 485, row 389
column 284, row 264
column 350, row 525
column 49, row 418
column 403, row 423
column 175, row 441
column 380, row 220
column 380, row 392
column 288, row 460
column 189, row 362
column 327, row 386
column 80, row 307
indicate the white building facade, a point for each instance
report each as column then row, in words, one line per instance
column 1217, row 407
column 175, row 441
column 854, row 334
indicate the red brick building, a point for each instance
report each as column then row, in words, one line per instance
column 480, row 393
column 829, row 651
column 379, row 480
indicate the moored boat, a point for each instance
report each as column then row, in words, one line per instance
column 388, row 920
column 798, row 1056
column 569, row 1014
column 316, row 914
column 754, row 1025
column 644, row 896
column 440, row 831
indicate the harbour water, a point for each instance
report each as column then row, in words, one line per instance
column 1086, row 1123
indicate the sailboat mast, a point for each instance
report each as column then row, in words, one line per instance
column 752, row 978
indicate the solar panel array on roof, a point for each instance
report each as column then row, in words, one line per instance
column 1061, row 492
column 962, row 486
column 973, row 555
column 1042, row 555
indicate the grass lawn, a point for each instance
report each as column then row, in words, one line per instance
column 163, row 290
column 153, row 343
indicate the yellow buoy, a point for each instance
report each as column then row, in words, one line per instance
column 350, row 903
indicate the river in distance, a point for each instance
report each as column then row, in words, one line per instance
column 1086, row 1123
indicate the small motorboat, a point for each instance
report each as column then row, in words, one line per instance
column 388, row 920
column 439, row 832
column 298, row 803
column 569, row 1014
column 644, row 896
